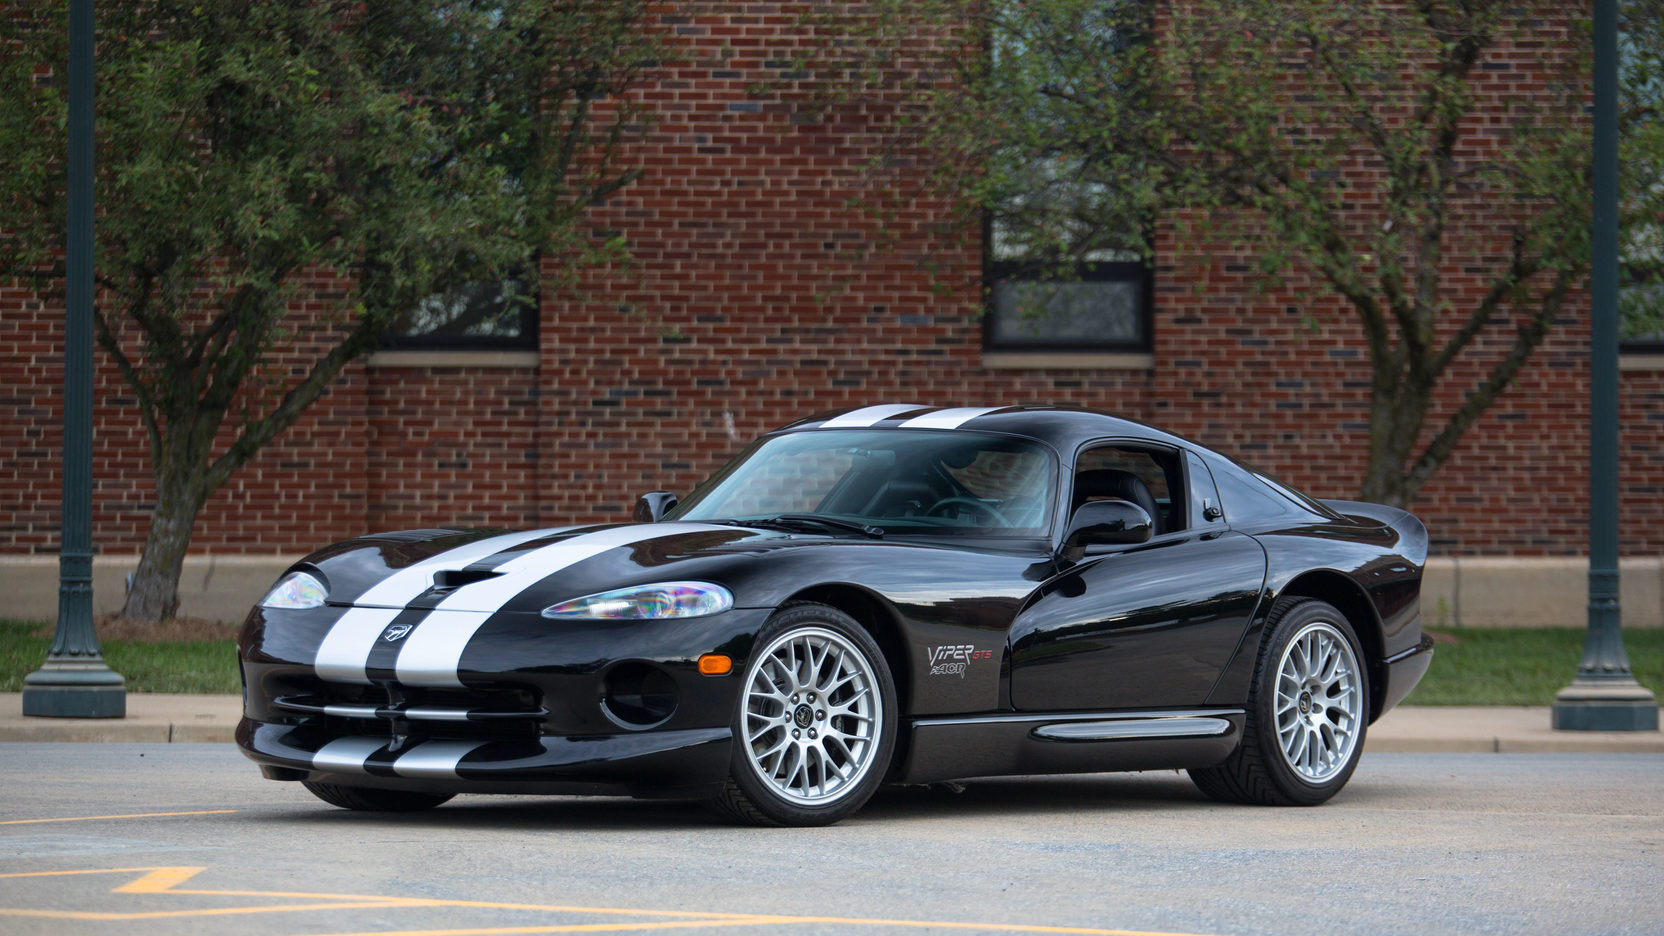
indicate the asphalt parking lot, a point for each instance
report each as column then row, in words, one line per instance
column 186, row 838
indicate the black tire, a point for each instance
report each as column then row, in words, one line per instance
column 1307, row 757
column 815, row 722
column 370, row 799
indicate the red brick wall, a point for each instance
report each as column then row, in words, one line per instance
column 451, row 445
column 745, row 310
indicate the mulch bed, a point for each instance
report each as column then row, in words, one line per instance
column 177, row 630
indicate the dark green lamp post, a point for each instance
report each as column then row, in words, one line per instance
column 75, row 683
column 1605, row 695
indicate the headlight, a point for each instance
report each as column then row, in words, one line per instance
column 647, row 602
column 295, row 591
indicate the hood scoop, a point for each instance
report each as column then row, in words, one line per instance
column 447, row 579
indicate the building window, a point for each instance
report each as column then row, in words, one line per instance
column 1066, row 235
column 1094, row 306
column 1641, row 305
column 499, row 314
column 1641, row 180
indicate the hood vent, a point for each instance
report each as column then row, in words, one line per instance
column 447, row 579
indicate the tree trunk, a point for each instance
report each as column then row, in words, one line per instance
column 1386, row 463
column 180, row 494
column 1397, row 411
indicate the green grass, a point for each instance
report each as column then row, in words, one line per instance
column 1485, row 666
column 1480, row 667
column 193, row 666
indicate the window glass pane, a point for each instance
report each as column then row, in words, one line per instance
column 475, row 312
column 787, row 482
column 1087, row 313
column 1641, row 176
column 920, row 482
column 1641, row 305
column 1139, row 463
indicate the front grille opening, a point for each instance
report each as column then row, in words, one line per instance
column 506, row 712
column 638, row 695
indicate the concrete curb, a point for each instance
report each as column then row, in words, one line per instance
column 151, row 717
column 162, row 718
column 1499, row 729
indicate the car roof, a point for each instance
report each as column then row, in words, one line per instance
column 1062, row 427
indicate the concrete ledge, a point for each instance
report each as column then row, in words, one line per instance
column 160, row 717
column 413, row 357
column 1476, row 729
column 151, row 716
column 220, row 588
column 1505, row 591
column 1068, row 360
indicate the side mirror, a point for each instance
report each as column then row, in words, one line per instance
column 652, row 506
column 1108, row 523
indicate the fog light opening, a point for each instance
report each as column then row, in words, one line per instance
column 637, row 695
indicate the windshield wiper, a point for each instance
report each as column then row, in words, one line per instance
column 797, row 521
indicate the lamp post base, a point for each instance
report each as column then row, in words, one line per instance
column 1591, row 705
column 70, row 688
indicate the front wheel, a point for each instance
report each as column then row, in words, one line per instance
column 815, row 724
column 1308, row 708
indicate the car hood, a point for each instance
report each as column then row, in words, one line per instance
column 494, row 570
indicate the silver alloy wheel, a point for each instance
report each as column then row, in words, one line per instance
column 1319, row 704
column 812, row 716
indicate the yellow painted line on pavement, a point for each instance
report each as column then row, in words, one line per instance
column 158, row 881
column 371, row 904
column 138, row 815
column 166, row 881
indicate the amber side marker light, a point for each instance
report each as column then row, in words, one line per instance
column 715, row 664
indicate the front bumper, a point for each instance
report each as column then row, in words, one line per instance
column 537, row 707
column 684, row 763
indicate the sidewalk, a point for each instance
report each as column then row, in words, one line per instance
column 157, row 717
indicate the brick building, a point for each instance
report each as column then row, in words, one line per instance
column 748, row 308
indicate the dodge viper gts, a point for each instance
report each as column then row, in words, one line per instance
column 891, row 593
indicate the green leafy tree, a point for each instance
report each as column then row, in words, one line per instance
column 1360, row 150
column 406, row 147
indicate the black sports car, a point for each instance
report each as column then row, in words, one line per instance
column 889, row 593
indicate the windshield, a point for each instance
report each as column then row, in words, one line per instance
column 902, row 481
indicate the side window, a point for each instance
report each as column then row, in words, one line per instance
column 1245, row 499
column 1155, row 473
column 1204, row 496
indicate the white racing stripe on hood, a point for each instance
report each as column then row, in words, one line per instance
column 433, row 651
column 867, row 415
column 344, row 650
column 948, row 418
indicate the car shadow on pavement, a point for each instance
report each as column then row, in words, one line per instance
column 1012, row 796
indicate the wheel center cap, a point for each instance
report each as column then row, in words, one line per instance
column 1305, row 703
column 803, row 716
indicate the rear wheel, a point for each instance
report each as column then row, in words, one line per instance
column 816, row 722
column 371, row 799
column 1307, row 712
